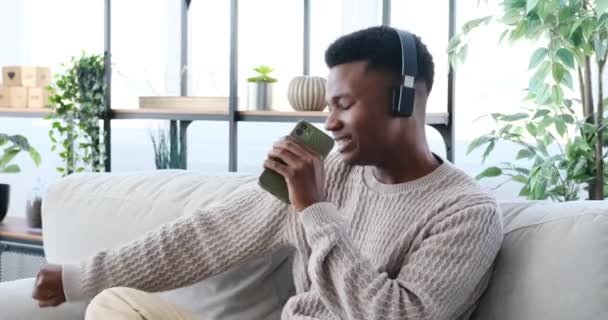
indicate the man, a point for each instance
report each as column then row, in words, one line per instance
column 383, row 229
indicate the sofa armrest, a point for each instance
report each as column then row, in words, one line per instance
column 16, row 303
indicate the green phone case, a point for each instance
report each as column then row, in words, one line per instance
column 308, row 135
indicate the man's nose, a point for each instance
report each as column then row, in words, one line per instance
column 332, row 123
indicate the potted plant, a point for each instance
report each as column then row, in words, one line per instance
column 259, row 91
column 16, row 144
column 77, row 101
column 168, row 154
column 561, row 130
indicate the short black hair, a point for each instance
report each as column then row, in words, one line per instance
column 381, row 48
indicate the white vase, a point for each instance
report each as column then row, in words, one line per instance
column 307, row 93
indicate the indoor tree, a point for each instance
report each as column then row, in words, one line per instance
column 561, row 129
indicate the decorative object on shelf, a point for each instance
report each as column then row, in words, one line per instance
column 77, row 101
column 212, row 104
column 307, row 93
column 33, row 205
column 167, row 154
column 25, row 87
column 18, row 143
column 561, row 129
column 259, row 91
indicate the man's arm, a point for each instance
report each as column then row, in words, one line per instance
column 434, row 283
column 185, row 251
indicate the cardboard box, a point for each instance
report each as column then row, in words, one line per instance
column 31, row 77
column 18, row 76
column 43, row 77
column 13, row 97
column 37, row 97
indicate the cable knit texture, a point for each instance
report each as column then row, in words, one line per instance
column 417, row 250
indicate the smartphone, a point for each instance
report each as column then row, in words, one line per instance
column 307, row 135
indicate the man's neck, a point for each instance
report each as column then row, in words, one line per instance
column 407, row 167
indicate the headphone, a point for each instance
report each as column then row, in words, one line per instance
column 403, row 97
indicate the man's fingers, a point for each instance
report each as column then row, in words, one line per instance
column 42, row 294
column 50, row 302
column 275, row 165
column 284, row 155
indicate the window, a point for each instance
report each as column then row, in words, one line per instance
column 332, row 19
column 430, row 21
column 145, row 50
column 270, row 33
column 209, row 48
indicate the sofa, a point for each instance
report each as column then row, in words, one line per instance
column 553, row 263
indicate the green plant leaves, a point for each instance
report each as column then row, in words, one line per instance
column 531, row 5
column 566, row 57
column 537, row 57
column 78, row 103
column 8, row 156
column 13, row 168
column 525, row 154
column 489, row 172
column 18, row 143
column 557, row 148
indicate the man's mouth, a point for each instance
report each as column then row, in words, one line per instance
column 342, row 143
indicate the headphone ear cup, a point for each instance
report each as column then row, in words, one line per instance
column 405, row 106
column 395, row 105
column 407, row 102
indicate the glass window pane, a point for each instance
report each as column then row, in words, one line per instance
column 430, row 21
column 209, row 48
column 208, row 146
column 132, row 148
column 43, row 33
column 29, row 31
column 334, row 18
column 145, row 50
column 270, row 33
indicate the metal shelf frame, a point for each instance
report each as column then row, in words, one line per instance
column 180, row 120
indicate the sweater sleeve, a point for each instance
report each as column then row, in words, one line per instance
column 187, row 250
column 434, row 283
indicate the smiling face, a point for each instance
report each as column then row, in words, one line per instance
column 360, row 116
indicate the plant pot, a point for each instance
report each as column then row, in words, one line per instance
column 306, row 93
column 259, row 96
column 5, row 194
column 33, row 212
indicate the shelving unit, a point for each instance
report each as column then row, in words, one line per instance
column 181, row 119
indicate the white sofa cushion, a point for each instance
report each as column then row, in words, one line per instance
column 553, row 263
column 85, row 213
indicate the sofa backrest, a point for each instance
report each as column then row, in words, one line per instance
column 553, row 263
column 85, row 213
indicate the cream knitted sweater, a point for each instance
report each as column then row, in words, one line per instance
column 418, row 250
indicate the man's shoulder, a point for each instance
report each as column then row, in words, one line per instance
column 462, row 188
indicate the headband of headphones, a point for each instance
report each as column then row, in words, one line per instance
column 403, row 97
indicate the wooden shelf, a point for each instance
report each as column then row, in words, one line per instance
column 12, row 228
column 432, row 119
column 282, row 116
column 24, row 112
column 170, row 114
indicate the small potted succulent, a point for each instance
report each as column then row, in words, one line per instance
column 16, row 144
column 259, row 91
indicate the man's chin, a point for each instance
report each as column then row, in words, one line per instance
column 349, row 158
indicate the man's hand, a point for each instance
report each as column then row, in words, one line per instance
column 48, row 289
column 302, row 169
